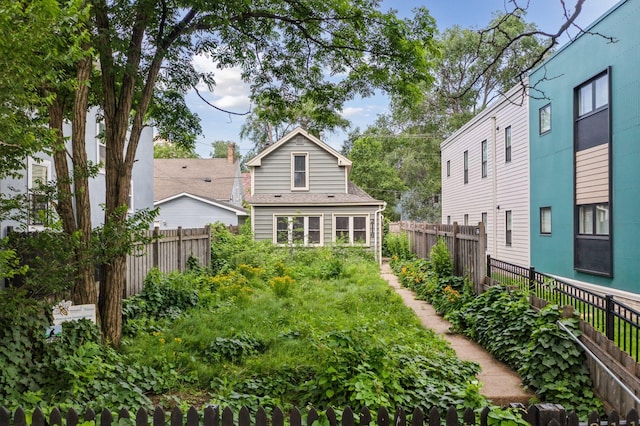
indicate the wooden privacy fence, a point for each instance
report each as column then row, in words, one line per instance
column 535, row 415
column 169, row 250
column 467, row 245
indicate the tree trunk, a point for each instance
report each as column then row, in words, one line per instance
column 111, row 293
column 85, row 291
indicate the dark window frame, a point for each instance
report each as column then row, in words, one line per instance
column 507, row 144
column 508, row 227
column 544, row 231
column 485, row 158
column 547, row 129
column 466, row 167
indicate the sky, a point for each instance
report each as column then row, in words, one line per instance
column 232, row 93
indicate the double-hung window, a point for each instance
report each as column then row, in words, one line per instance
column 301, row 230
column 484, row 158
column 466, row 167
column 508, row 227
column 39, row 175
column 507, row 144
column 351, row 229
column 299, row 171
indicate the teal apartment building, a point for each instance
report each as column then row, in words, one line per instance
column 584, row 128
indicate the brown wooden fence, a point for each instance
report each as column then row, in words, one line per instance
column 169, row 251
column 536, row 415
column 467, row 245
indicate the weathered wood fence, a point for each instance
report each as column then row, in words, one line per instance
column 467, row 245
column 535, row 415
column 169, row 250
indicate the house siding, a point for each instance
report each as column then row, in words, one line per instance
column 506, row 186
column 142, row 174
column 552, row 154
column 191, row 213
column 274, row 175
column 262, row 218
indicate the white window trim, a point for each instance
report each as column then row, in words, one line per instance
column 30, row 163
column 100, row 143
column 289, row 217
column 306, row 174
column 131, row 206
column 367, row 217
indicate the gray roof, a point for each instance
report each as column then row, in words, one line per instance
column 355, row 195
column 210, row 178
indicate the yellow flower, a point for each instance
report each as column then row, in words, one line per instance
column 162, row 340
column 177, row 339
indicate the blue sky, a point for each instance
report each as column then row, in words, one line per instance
column 232, row 94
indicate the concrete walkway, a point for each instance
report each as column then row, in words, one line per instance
column 500, row 384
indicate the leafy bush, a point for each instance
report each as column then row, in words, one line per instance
column 163, row 296
column 504, row 323
column 396, row 246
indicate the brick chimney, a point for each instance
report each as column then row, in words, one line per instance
column 230, row 153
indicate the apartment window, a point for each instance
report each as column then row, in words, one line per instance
column 593, row 95
column 466, row 167
column 593, row 219
column 466, row 220
column 484, row 158
column 508, row 227
column 545, row 119
column 302, row 230
column 507, row 144
column 299, row 171
column 448, row 168
column 593, row 248
column 545, row 220
column 351, row 229
column 39, row 175
column 101, row 147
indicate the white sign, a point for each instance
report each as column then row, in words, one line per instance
column 66, row 311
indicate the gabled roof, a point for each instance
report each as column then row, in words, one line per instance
column 354, row 196
column 210, row 178
column 257, row 160
column 239, row 211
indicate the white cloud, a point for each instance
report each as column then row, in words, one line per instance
column 353, row 111
column 230, row 91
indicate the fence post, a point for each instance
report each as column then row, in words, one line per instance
column 156, row 247
column 180, row 266
column 532, row 277
column 207, row 261
column 610, row 317
column 481, row 249
column 456, row 265
column 489, row 265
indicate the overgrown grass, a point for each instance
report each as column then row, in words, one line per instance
column 332, row 333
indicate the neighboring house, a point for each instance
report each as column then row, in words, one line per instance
column 301, row 194
column 40, row 167
column 485, row 176
column 585, row 177
column 194, row 192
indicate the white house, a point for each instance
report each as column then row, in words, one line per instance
column 485, row 176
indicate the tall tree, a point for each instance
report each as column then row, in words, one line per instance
column 287, row 50
column 166, row 149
